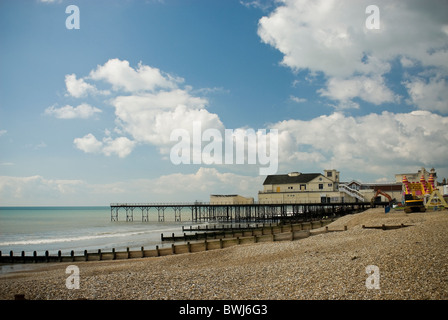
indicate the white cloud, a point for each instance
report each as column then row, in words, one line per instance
column 83, row 111
column 258, row 4
column 155, row 107
column 331, row 37
column 162, row 123
column 370, row 89
column 32, row 190
column 297, row 99
column 406, row 62
column 2, row 132
column 429, row 95
column 123, row 77
column 369, row 144
column 208, row 181
column 120, row 146
column 88, row 144
column 78, row 87
column 38, row 190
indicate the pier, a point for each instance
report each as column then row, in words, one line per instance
column 205, row 212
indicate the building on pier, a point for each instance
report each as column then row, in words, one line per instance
column 297, row 187
column 229, row 199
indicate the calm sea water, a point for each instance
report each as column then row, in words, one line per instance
column 81, row 228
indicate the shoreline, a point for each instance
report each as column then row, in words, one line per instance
column 412, row 263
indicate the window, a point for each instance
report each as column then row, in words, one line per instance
column 290, row 188
column 330, row 185
column 321, row 186
column 329, row 174
column 303, row 187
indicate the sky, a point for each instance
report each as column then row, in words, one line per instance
column 93, row 95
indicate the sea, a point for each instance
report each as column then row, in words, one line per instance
column 52, row 229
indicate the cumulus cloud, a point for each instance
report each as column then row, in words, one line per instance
column 122, row 76
column 78, row 87
column 375, row 143
column 88, row 144
column 331, row 37
column 185, row 186
column 258, row 4
column 429, row 94
column 83, row 111
column 151, row 117
column 207, row 180
column 120, row 146
column 370, row 89
column 154, row 105
column 148, row 115
column 32, row 189
column 297, row 99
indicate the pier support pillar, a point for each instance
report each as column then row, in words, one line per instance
column 161, row 213
column 145, row 213
column 114, row 214
column 177, row 214
column 130, row 214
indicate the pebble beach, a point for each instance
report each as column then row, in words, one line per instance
column 412, row 264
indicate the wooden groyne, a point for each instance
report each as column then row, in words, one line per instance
column 385, row 227
column 189, row 247
column 231, row 227
column 241, row 231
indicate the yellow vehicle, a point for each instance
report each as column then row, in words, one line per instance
column 413, row 204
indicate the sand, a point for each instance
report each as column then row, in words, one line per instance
column 412, row 263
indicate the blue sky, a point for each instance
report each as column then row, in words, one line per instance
column 86, row 114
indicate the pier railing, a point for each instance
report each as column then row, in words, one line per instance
column 224, row 203
column 226, row 212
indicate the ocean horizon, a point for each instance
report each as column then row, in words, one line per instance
column 79, row 228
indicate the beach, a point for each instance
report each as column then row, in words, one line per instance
column 411, row 263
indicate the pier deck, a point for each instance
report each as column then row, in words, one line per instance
column 204, row 212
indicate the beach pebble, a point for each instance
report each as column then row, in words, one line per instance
column 412, row 263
